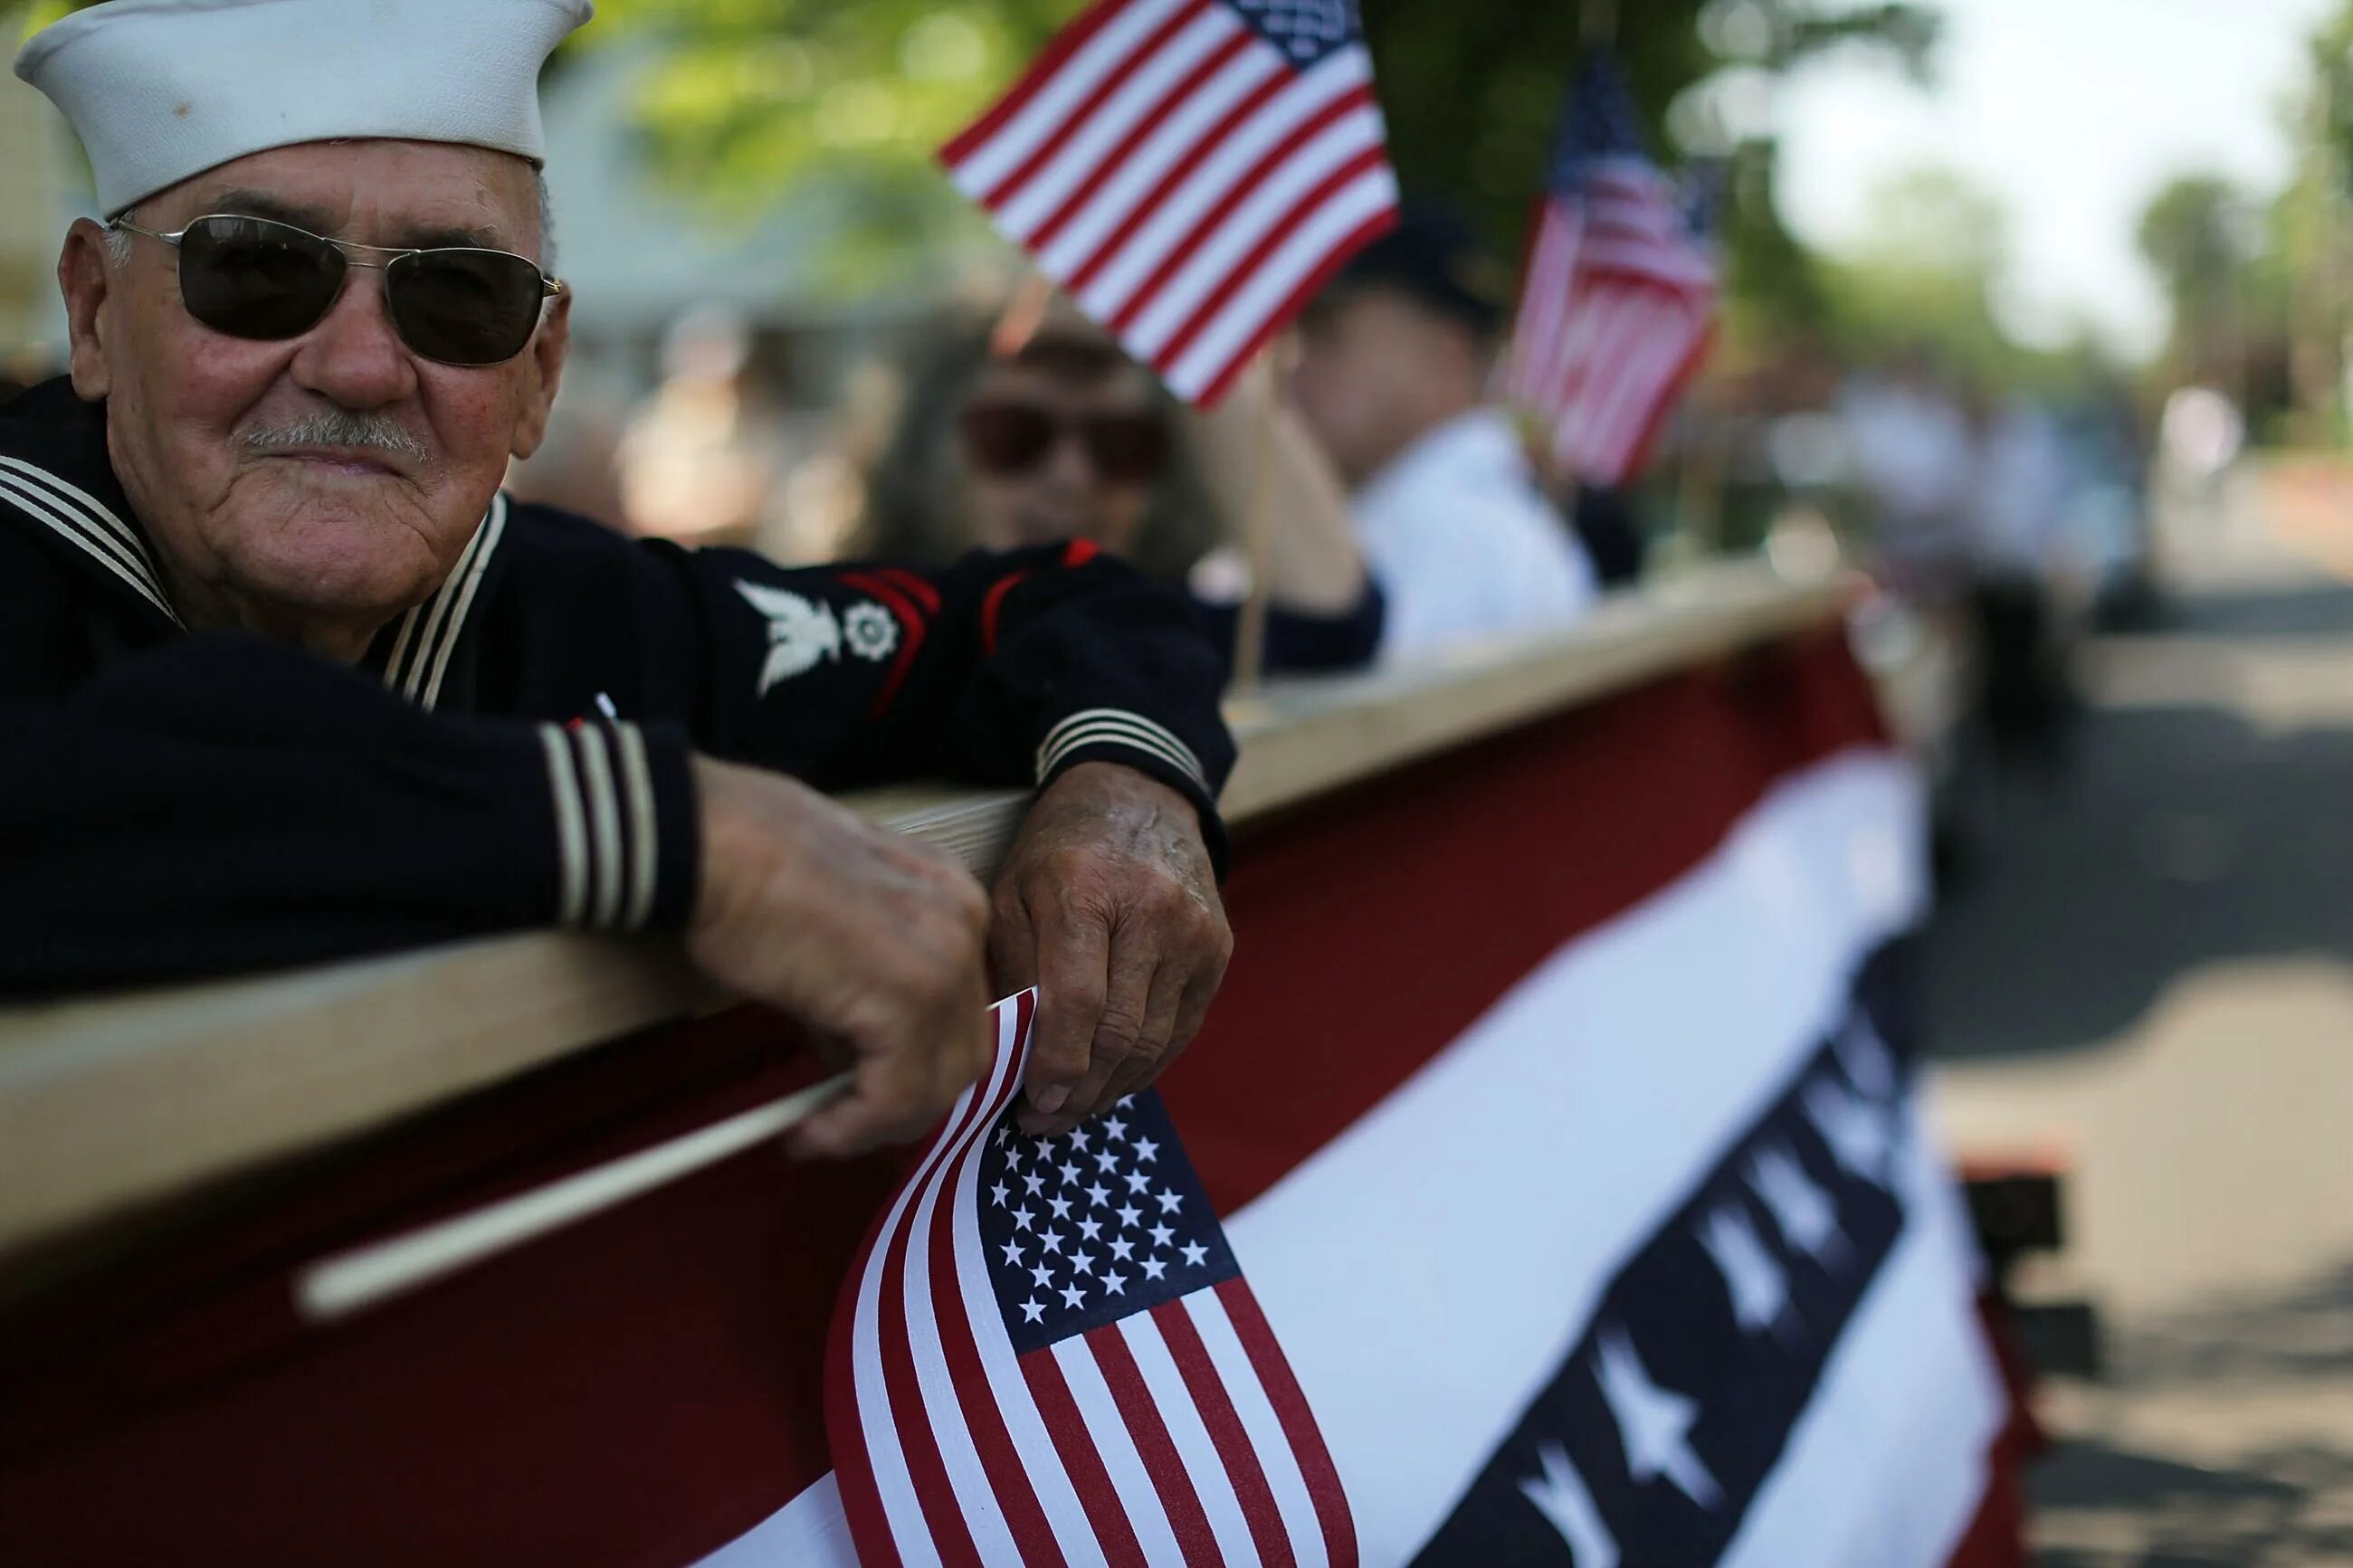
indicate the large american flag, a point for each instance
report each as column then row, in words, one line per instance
column 1047, row 1354
column 1191, row 172
column 1619, row 298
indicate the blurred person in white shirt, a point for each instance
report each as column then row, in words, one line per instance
column 1396, row 362
column 1917, row 459
column 2018, row 555
column 2198, row 439
column 2018, row 500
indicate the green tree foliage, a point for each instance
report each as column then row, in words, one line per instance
column 1473, row 90
column 2193, row 234
column 2197, row 234
column 753, row 98
column 749, row 97
column 746, row 102
column 1924, row 277
column 2302, row 281
column 2261, row 286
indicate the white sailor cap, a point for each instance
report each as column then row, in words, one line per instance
column 161, row 89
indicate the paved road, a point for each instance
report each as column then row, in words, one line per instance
column 2153, row 964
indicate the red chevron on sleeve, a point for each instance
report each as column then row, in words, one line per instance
column 991, row 605
column 913, row 623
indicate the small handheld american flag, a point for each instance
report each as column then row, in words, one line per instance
column 1618, row 302
column 1046, row 1355
column 1190, row 171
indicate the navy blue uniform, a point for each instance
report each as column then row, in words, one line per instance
column 173, row 805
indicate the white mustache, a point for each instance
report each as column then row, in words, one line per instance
column 338, row 427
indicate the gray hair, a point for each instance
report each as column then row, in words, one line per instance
column 336, row 427
column 546, row 223
column 118, row 240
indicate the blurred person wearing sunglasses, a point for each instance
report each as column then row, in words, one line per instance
column 1396, row 358
column 1025, row 434
column 284, row 677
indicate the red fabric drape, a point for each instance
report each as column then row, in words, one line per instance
column 643, row 1387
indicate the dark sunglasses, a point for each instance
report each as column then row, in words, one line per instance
column 1007, row 438
column 254, row 278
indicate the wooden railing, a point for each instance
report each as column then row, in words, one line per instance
column 109, row 1105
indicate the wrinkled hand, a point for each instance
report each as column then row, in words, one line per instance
column 871, row 941
column 1109, row 905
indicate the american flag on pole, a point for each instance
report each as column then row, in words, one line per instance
column 1046, row 1355
column 1190, row 171
column 1618, row 298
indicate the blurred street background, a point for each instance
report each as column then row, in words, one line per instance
column 2144, row 975
column 2038, row 312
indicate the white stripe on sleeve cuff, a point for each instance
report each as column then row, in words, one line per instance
column 608, row 857
column 1117, row 727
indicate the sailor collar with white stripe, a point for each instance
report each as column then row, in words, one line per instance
column 416, row 650
column 86, row 524
column 74, row 496
column 54, row 473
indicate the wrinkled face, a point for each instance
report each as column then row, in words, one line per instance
column 1054, row 452
column 329, row 479
column 1375, row 370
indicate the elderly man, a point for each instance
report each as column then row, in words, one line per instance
column 283, row 677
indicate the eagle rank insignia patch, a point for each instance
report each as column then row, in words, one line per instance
column 803, row 633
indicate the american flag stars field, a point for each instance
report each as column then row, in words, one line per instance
column 1083, row 1229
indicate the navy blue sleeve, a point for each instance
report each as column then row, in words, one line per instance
column 218, row 805
column 1002, row 670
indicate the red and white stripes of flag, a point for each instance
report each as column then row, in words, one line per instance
column 1046, row 1355
column 1190, row 171
column 1616, row 313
